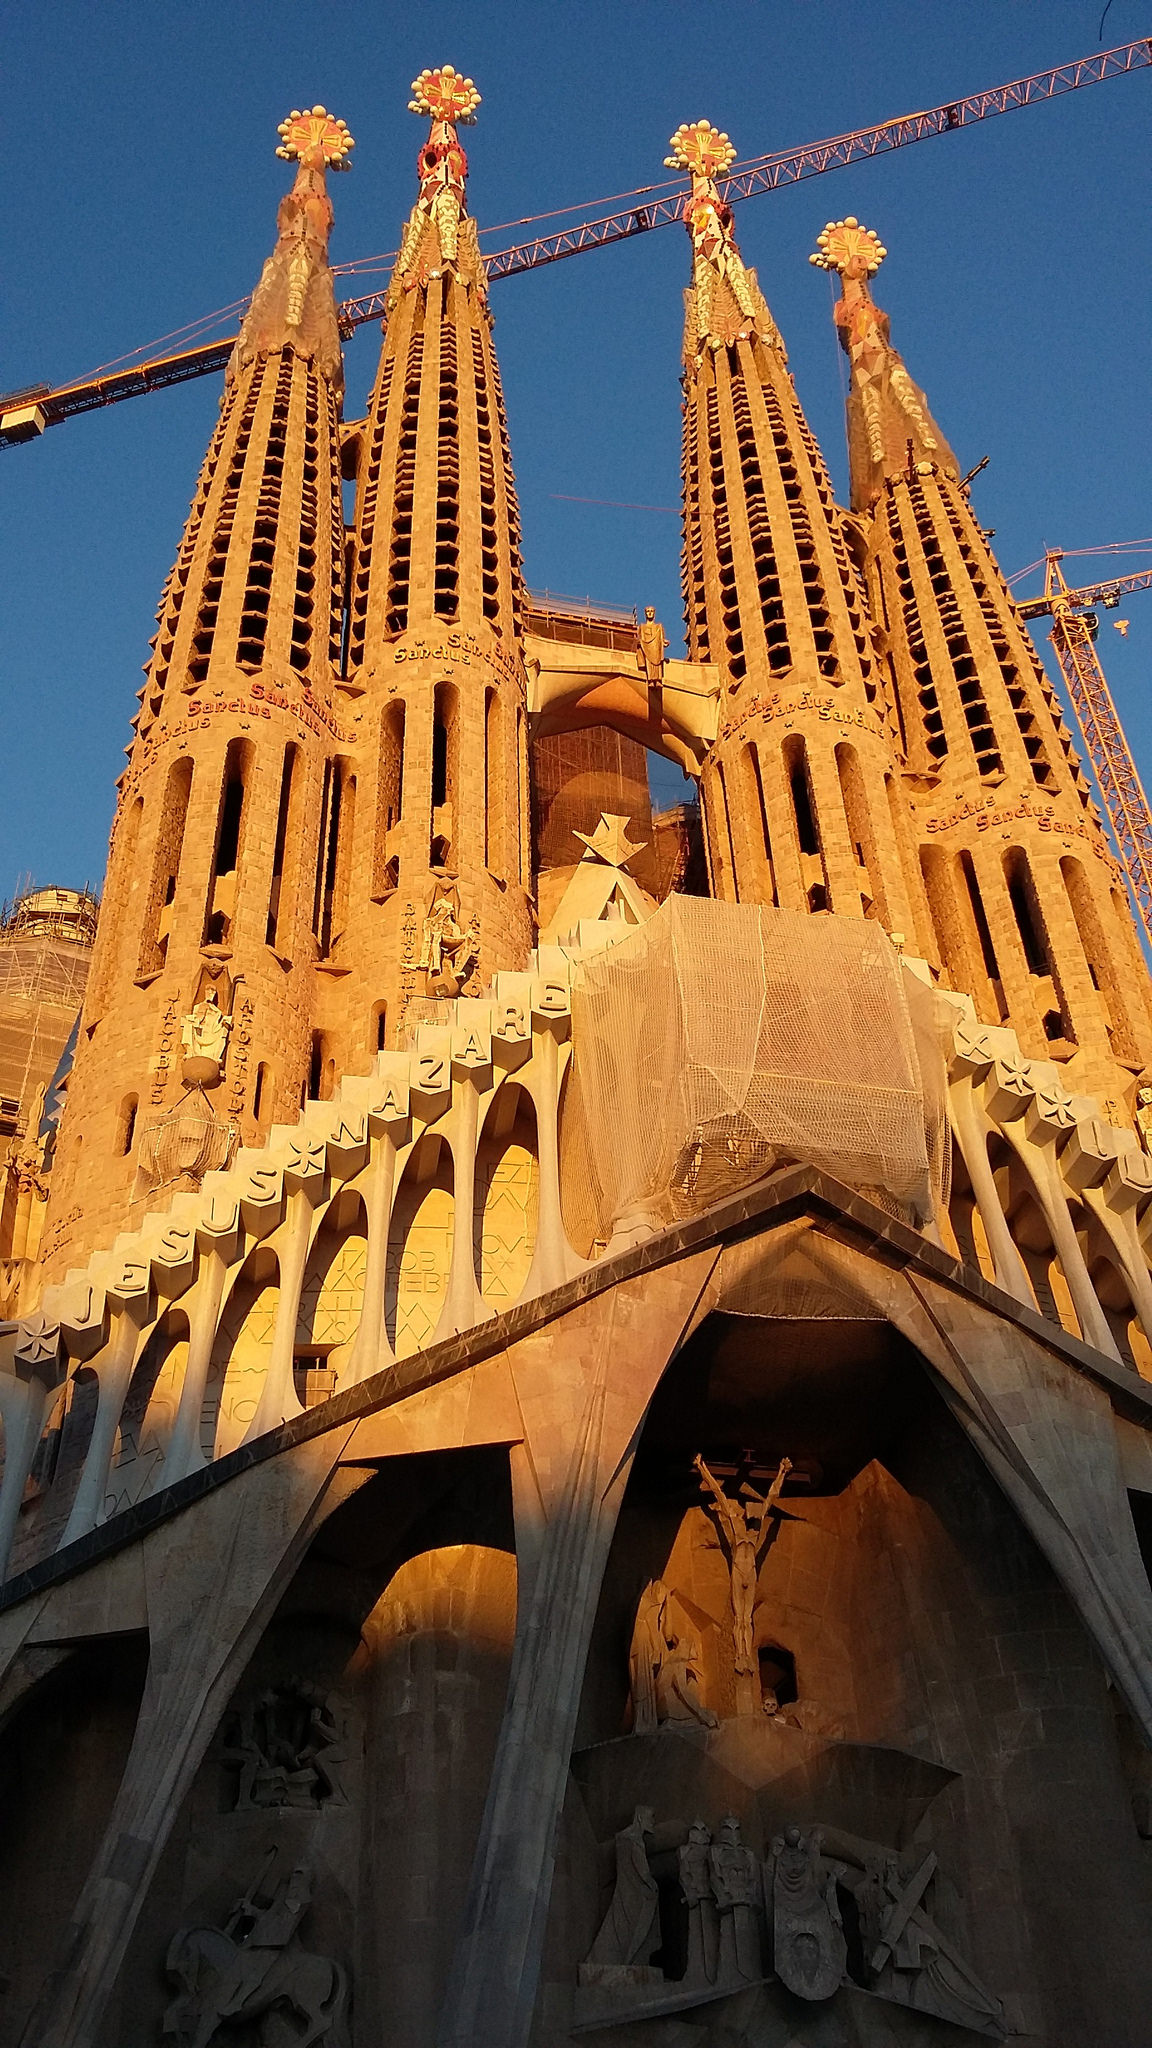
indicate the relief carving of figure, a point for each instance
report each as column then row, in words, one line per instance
column 290, row 1749
column 449, row 950
column 746, row 1525
column 629, row 1931
column 251, row 1970
column 906, row 1956
column 204, row 1036
column 695, row 1867
column 665, row 1663
column 808, row 1938
column 736, row 1890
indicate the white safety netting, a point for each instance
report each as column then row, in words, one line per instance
column 721, row 1040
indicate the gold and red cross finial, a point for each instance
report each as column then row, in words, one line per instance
column 316, row 137
column 702, row 149
column 849, row 247
column 444, row 96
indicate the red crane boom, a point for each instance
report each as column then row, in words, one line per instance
column 25, row 414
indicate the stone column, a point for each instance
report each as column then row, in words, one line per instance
column 583, row 1385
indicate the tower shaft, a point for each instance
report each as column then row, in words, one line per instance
column 797, row 791
column 214, row 887
column 435, row 652
column 1025, row 903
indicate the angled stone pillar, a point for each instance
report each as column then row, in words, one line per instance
column 583, row 1384
column 206, row 1602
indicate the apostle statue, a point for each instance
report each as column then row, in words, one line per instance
column 204, row 1036
column 651, row 649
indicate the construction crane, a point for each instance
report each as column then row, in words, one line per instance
column 25, row 414
column 1073, row 636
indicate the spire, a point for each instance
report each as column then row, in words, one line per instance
column 725, row 304
column 438, row 236
column 794, row 801
column 890, row 428
column 294, row 305
column 435, row 657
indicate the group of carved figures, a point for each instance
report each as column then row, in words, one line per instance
column 665, row 1661
column 811, row 1919
column 289, row 1748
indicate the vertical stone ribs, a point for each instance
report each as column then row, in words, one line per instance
column 404, row 491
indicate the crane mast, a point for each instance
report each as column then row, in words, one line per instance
column 1073, row 639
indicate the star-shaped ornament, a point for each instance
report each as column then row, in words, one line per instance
column 610, row 842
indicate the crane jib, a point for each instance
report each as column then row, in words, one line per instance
column 25, row 414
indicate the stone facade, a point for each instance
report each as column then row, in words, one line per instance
column 500, row 1539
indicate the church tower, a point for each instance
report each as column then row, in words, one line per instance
column 800, row 804
column 216, row 895
column 1027, row 905
column 435, row 664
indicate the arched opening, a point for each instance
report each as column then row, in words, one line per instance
column 331, row 1300
column 220, row 908
column 420, row 1247
column 62, row 1758
column 334, row 855
column 389, row 801
column 276, row 923
column 445, row 775
column 861, row 836
column 148, row 1415
column 967, row 1222
column 1113, row 1294
column 126, row 1126
column 240, row 1354
column 1098, row 958
column 261, row 1093
column 158, row 911
column 1033, row 1240
column 1051, row 1008
column 506, row 1197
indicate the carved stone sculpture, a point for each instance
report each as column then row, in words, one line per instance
column 204, row 1036
column 695, row 1867
column 746, row 1526
column 650, row 652
column 665, row 1663
column 628, row 1933
column 736, row 1890
column 808, row 1938
column 448, row 950
column 251, row 1970
column 907, row 1958
column 290, row 1748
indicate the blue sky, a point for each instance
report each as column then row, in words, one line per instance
column 140, row 192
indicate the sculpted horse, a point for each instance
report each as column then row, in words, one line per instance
column 224, row 1981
